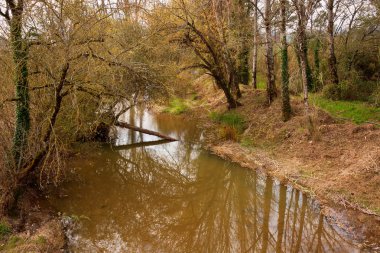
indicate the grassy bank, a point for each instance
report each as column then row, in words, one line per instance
column 356, row 111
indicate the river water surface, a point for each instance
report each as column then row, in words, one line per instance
column 177, row 197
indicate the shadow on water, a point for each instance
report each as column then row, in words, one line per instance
column 176, row 197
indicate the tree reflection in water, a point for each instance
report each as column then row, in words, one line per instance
column 175, row 197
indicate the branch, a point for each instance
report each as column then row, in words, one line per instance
column 257, row 8
column 196, row 66
column 5, row 14
column 145, row 131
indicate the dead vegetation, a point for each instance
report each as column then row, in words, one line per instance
column 36, row 227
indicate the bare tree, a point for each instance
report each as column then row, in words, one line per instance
column 255, row 44
column 286, row 109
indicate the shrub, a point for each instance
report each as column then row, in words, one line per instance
column 331, row 91
column 350, row 89
column 231, row 119
column 4, row 229
column 232, row 125
column 375, row 97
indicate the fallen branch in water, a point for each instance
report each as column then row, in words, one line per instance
column 140, row 144
column 145, row 131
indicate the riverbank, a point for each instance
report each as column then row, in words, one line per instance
column 336, row 162
column 34, row 228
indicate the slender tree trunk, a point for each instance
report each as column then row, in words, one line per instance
column 317, row 67
column 20, row 58
column 316, row 57
column 271, row 85
column 286, row 109
column 243, row 63
column 255, row 46
column 330, row 29
column 302, row 42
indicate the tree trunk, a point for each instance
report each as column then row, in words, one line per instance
column 255, row 46
column 303, row 50
column 20, row 58
column 317, row 68
column 286, row 109
column 271, row 85
column 243, row 63
column 232, row 102
column 145, row 131
column 330, row 29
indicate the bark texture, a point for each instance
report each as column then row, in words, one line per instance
column 255, row 46
column 286, row 109
column 332, row 58
column 271, row 83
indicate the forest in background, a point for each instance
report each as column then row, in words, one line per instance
column 67, row 64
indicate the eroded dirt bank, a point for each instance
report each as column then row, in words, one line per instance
column 35, row 228
column 336, row 162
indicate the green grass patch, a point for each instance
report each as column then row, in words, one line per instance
column 231, row 119
column 246, row 142
column 41, row 240
column 176, row 106
column 12, row 242
column 5, row 229
column 261, row 82
column 356, row 111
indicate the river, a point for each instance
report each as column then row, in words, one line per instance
column 177, row 197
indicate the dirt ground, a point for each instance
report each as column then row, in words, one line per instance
column 34, row 229
column 336, row 162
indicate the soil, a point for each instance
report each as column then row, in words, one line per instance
column 337, row 163
column 35, row 228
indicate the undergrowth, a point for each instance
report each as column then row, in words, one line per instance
column 5, row 229
column 176, row 106
column 232, row 124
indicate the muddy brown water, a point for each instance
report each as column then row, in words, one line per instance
column 177, row 197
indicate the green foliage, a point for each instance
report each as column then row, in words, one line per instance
column 332, row 91
column 231, row 119
column 261, row 83
column 176, row 106
column 375, row 97
column 350, row 89
column 356, row 111
column 244, row 65
column 5, row 229
column 22, row 106
column 316, row 49
column 232, row 125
